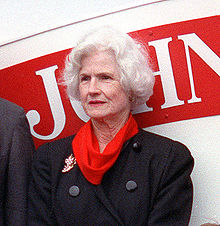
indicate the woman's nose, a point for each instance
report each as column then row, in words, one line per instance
column 94, row 87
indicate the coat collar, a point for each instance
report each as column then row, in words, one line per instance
column 135, row 141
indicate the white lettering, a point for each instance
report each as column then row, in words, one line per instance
column 55, row 102
column 166, row 72
column 193, row 41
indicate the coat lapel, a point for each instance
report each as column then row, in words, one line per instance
column 106, row 202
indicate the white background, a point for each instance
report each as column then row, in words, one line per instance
column 20, row 19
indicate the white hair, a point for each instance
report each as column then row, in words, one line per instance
column 136, row 75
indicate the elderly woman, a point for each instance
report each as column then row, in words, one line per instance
column 110, row 172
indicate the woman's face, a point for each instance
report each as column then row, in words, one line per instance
column 101, row 93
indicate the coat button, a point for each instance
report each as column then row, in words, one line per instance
column 131, row 185
column 74, row 191
column 137, row 146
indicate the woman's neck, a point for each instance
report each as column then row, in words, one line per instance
column 106, row 129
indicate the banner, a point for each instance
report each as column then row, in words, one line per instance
column 186, row 65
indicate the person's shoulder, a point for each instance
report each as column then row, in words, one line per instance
column 153, row 138
column 162, row 145
column 8, row 108
column 11, row 116
column 55, row 149
column 59, row 143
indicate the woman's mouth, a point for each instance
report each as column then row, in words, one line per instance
column 96, row 102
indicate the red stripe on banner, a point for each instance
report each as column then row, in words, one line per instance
column 184, row 58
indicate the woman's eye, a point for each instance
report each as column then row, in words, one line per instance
column 84, row 78
column 105, row 77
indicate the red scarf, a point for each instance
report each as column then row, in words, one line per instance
column 91, row 162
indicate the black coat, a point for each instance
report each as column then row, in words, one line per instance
column 16, row 149
column 148, row 185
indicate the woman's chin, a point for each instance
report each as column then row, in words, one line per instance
column 98, row 116
column 96, row 112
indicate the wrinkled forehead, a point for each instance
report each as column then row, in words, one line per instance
column 103, row 61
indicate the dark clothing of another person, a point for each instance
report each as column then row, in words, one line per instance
column 16, row 148
column 149, row 184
